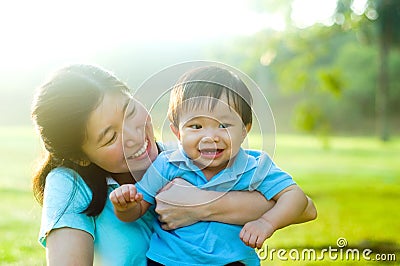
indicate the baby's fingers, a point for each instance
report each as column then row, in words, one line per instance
column 253, row 241
column 138, row 197
column 248, row 238
column 123, row 195
column 260, row 242
column 245, row 236
column 113, row 197
column 128, row 192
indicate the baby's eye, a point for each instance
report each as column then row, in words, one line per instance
column 195, row 126
column 223, row 125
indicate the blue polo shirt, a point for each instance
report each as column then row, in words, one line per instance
column 209, row 243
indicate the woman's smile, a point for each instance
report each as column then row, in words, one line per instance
column 144, row 150
column 140, row 151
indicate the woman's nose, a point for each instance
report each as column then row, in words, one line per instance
column 131, row 136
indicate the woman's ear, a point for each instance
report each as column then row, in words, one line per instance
column 81, row 162
column 175, row 130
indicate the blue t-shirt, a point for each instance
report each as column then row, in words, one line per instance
column 117, row 243
column 209, row 243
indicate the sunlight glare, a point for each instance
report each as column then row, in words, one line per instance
column 359, row 6
column 36, row 31
column 306, row 13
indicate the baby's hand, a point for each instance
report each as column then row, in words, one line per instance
column 125, row 197
column 254, row 233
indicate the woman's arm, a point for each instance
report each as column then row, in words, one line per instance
column 179, row 207
column 67, row 246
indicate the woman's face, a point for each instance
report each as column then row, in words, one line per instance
column 120, row 124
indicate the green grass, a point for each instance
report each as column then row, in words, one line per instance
column 20, row 214
column 355, row 185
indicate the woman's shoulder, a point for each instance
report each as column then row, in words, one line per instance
column 62, row 170
column 66, row 197
column 63, row 175
column 66, row 181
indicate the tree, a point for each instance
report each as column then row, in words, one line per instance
column 376, row 23
column 386, row 17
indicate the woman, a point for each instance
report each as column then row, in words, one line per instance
column 80, row 113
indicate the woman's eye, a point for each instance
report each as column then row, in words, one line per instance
column 112, row 139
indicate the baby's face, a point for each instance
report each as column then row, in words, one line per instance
column 211, row 139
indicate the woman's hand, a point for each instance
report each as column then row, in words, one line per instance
column 177, row 203
column 180, row 204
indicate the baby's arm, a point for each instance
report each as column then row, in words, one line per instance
column 128, row 203
column 291, row 203
column 309, row 214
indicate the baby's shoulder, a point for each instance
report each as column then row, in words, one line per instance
column 256, row 154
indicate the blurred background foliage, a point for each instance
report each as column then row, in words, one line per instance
column 340, row 77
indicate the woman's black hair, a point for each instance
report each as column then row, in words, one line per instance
column 60, row 111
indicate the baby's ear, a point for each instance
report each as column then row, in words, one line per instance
column 245, row 130
column 175, row 130
column 248, row 127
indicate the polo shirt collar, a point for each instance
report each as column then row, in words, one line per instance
column 179, row 157
column 243, row 163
